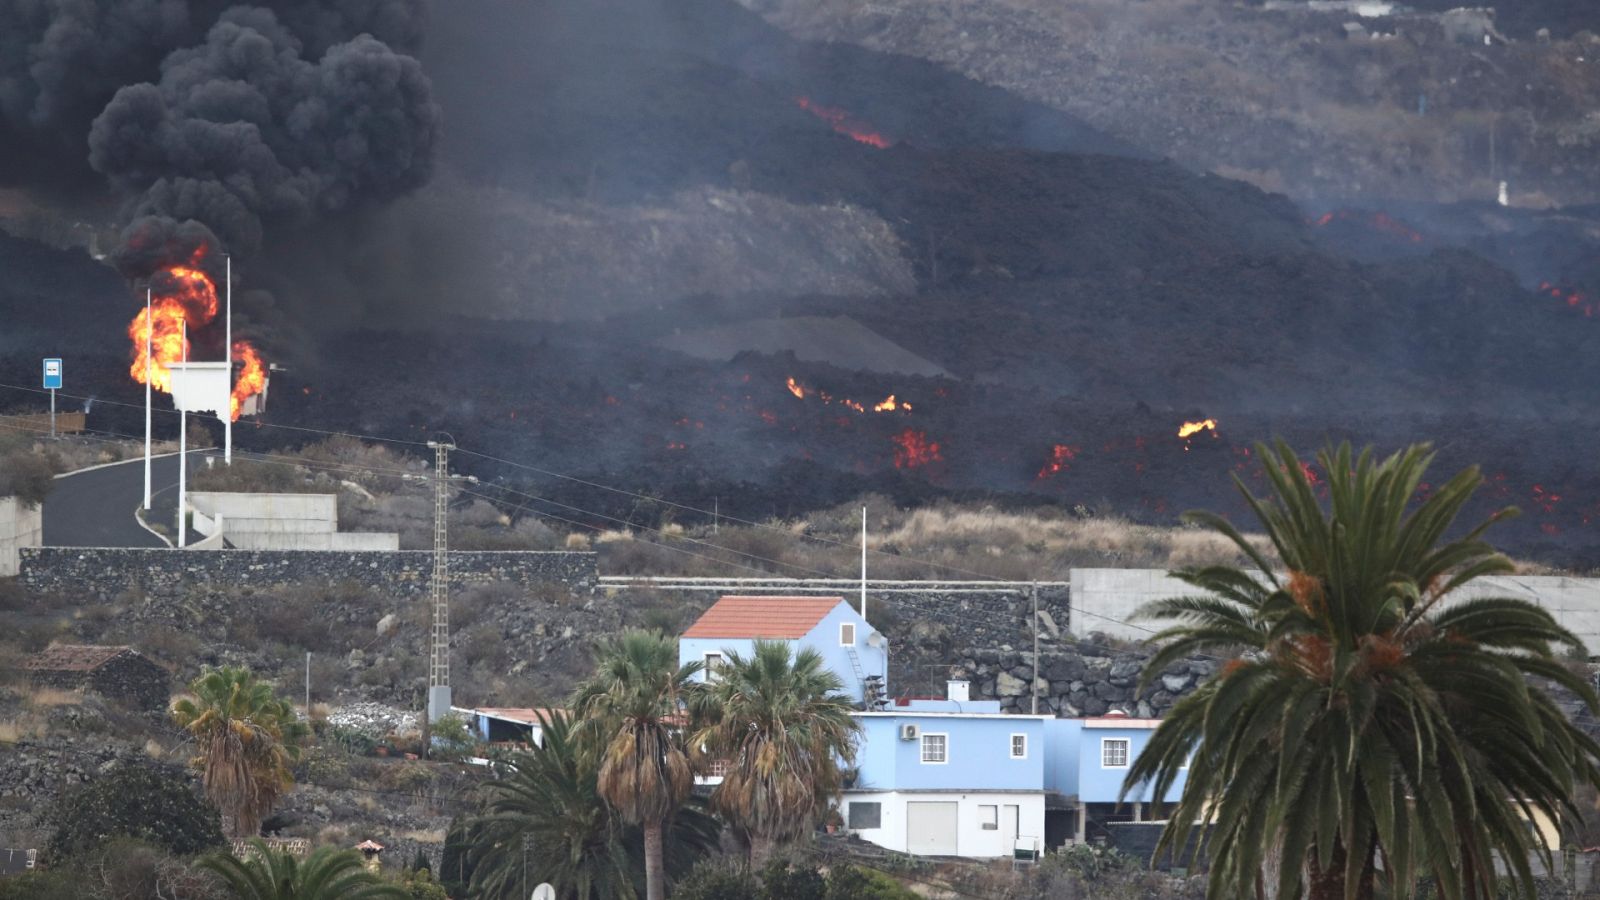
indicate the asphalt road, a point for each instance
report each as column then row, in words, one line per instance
column 96, row 508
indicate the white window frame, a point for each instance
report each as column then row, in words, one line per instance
column 988, row 817
column 852, row 627
column 708, row 667
column 1013, row 746
column 922, row 747
column 1127, row 752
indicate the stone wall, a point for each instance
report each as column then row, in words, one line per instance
column 104, row 573
column 1082, row 680
column 20, row 527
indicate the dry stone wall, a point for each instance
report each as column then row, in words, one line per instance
column 104, row 573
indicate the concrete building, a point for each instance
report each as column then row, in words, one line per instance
column 848, row 645
column 942, row 783
column 20, row 526
column 249, row 521
column 1087, row 760
column 508, row 726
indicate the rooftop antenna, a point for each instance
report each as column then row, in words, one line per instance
column 864, row 564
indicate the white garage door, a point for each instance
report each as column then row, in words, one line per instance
column 931, row 828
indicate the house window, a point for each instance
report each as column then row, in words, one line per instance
column 847, row 634
column 989, row 818
column 713, row 666
column 1114, row 753
column 718, row 769
column 865, row 815
column 935, row 748
column 1019, row 746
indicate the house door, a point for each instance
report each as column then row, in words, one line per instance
column 931, row 828
column 1010, row 828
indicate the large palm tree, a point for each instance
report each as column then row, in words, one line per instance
column 784, row 728
column 546, row 822
column 1375, row 725
column 632, row 709
column 327, row 874
column 247, row 739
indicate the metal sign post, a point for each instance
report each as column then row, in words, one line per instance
column 52, row 383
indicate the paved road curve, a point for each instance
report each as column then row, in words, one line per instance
column 95, row 508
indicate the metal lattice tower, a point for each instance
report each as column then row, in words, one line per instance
column 439, row 656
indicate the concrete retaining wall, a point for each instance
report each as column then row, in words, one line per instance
column 281, row 522
column 104, row 573
column 19, row 527
column 1104, row 600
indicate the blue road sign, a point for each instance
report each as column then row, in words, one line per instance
column 52, row 374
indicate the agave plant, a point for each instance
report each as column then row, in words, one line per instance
column 327, row 874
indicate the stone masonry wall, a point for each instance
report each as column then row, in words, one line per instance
column 104, row 573
column 1082, row 680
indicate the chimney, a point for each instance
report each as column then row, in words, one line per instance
column 958, row 691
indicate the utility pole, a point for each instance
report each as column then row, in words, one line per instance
column 438, row 701
column 864, row 563
column 149, row 327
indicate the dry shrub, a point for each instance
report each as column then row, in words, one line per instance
column 47, row 697
column 577, row 541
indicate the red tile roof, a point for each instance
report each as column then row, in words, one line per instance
column 762, row 617
column 72, row 658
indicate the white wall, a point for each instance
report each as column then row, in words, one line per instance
column 972, row 841
column 1104, row 599
column 19, row 527
column 282, row 522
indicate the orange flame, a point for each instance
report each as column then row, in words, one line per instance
column 796, row 388
column 182, row 294
column 1192, row 428
column 844, row 123
column 890, row 405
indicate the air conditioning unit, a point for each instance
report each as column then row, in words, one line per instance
column 909, row 732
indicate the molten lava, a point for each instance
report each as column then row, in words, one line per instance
column 1381, row 222
column 844, row 123
column 912, row 449
column 1190, row 429
column 796, row 388
column 890, row 405
column 1575, row 300
column 1061, row 457
column 184, row 294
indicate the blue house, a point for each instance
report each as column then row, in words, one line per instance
column 1088, row 760
column 949, row 778
column 849, row 647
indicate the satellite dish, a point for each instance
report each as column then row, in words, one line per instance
column 544, row 892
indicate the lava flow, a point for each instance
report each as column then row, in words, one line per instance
column 844, row 123
column 888, row 404
column 1061, row 457
column 1190, row 429
column 912, row 450
column 183, row 293
column 1575, row 300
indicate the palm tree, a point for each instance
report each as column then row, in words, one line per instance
column 546, row 822
column 246, row 739
column 632, row 709
column 1373, row 726
column 327, row 874
column 785, row 730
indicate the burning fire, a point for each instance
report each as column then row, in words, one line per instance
column 912, row 450
column 889, row 404
column 1061, row 457
column 844, row 123
column 1190, row 429
column 183, row 293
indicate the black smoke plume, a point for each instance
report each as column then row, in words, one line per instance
column 242, row 129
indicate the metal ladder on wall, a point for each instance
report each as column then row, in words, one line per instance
column 871, row 685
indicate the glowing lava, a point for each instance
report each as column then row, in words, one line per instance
column 1575, row 300
column 912, row 449
column 844, row 123
column 796, row 389
column 1380, row 222
column 1190, row 429
column 889, row 405
column 184, row 293
column 1061, row 457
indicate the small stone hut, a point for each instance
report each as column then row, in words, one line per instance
column 122, row 674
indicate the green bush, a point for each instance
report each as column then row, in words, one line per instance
column 717, row 879
column 419, row 885
column 452, row 740
column 782, row 881
column 156, row 806
column 857, row 883
column 41, row 885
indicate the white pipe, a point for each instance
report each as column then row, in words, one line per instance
column 149, row 327
column 183, row 452
column 227, row 414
